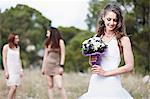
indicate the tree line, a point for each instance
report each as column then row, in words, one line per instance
column 31, row 25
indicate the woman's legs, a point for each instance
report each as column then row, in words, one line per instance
column 58, row 80
column 50, row 87
column 12, row 92
column 14, row 97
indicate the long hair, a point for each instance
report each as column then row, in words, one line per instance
column 11, row 40
column 119, row 30
column 54, row 38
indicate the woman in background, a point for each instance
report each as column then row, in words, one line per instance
column 12, row 64
column 53, row 62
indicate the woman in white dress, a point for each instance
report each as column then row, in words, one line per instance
column 105, row 81
column 12, row 64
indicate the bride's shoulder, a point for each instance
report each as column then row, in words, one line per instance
column 125, row 40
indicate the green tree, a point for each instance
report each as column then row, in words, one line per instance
column 75, row 61
column 29, row 24
column 139, row 25
column 0, row 42
column 68, row 32
column 95, row 7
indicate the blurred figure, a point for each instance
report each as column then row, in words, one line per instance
column 53, row 62
column 12, row 64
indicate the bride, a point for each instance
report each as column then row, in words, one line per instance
column 105, row 81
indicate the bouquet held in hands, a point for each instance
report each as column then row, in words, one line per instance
column 94, row 47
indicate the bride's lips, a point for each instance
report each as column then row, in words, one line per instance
column 111, row 26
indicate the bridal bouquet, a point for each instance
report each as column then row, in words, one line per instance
column 93, row 47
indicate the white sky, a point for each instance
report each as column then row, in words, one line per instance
column 61, row 12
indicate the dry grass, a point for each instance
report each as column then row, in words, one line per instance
column 34, row 86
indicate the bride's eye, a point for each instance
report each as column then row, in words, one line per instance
column 109, row 19
column 115, row 20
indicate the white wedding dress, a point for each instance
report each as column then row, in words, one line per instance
column 107, row 87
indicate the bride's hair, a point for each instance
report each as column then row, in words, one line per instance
column 119, row 30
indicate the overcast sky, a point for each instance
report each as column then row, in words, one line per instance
column 61, row 12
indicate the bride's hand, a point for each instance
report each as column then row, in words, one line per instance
column 98, row 70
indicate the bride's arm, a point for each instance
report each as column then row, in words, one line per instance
column 128, row 58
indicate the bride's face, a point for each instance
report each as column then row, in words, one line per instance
column 48, row 33
column 110, row 20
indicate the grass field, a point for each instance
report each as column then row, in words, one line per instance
column 34, row 86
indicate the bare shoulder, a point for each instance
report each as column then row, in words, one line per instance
column 125, row 40
column 5, row 47
column 61, row 41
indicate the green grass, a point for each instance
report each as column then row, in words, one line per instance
column 34, row 86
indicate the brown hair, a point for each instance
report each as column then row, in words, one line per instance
column 11, row 40
column 119, row 29
column 54, row 38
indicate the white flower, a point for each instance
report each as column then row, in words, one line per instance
column 96, row 45
column 90, row 41
column 102, row 44
column 92, row 45
column 85, row 42
column 97, row 39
